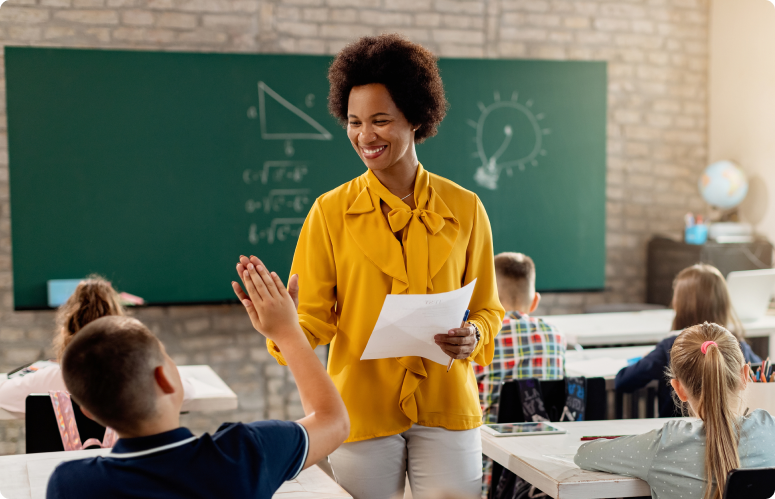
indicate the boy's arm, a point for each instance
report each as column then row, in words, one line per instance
column 273, row 313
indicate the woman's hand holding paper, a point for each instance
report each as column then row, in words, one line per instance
column 458, row 343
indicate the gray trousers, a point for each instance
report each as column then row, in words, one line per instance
column 434, row 460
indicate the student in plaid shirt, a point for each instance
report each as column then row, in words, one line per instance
column 526, row 347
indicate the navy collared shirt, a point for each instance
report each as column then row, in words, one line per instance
column 239, row 460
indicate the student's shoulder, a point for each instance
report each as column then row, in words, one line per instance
column 68, row 478
column 546, row 325
column 666, row 344
column 258, row 431
column 759, row 419
column 677, row 431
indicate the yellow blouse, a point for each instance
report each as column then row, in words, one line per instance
column 348, row 259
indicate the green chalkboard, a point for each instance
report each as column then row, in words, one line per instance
column 158, row 169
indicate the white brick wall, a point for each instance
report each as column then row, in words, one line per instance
column 657, row 54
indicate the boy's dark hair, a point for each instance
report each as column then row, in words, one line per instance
column 108, row 369
column 516, row 274
column 408, row 71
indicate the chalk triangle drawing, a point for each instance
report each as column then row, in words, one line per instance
column 263, row 91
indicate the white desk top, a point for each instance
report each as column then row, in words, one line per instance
column 25, row 476
column 648, row 326
column 211, row 393
column 546, row 461
column 601, row 362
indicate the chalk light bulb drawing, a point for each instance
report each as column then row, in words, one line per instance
column 519, row 132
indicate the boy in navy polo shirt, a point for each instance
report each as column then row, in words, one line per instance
column 121, row 376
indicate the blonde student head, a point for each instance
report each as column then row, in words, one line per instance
column 708, row 373
column 700, row 295
column 93, row 298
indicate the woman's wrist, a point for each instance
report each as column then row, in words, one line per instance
column 477, row 335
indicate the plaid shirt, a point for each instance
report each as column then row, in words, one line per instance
column 526, row 347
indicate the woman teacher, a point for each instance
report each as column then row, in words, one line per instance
column 396, row 229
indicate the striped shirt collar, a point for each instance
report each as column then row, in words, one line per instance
column 140, row 446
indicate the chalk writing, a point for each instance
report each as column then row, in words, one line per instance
column 280, row 229
column 278, row 199
column 276, row 171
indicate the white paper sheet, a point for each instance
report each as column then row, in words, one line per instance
column 407, row 324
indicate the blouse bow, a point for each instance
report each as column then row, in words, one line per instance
column 400, row 217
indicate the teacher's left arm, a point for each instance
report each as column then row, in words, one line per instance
column 486, row 310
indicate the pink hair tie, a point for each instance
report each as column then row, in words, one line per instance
column 704, row 347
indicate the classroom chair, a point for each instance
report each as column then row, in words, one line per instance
column 751, row 483
column 42, row 433
column 553, row 395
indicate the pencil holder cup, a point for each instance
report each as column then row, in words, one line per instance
column 760, row 396
column 696, row 234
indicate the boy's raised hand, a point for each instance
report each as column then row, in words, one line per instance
column 273, row 313
column 293, row 282
column 269, row 305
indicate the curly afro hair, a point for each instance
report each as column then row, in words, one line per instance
column 408, row 71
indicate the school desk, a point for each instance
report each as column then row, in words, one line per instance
column 211, row 392
column 602, row 362
column 25, row 476
column 546, row 461
column 646, row 327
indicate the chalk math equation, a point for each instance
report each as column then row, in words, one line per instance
column 287, row 206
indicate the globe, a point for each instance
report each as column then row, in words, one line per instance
column 723, row 185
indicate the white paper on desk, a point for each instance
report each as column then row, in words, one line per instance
column 407, row 324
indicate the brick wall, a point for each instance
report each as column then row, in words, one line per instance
column 657, row 54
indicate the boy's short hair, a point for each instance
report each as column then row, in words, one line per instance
column 516, row 274
column 108, row 369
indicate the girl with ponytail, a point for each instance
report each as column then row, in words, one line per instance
column 94, row 297
column 699, row 295
column 691, row 458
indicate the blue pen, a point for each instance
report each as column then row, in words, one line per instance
column 452, row 359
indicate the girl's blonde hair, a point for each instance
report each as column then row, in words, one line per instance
column 714, row 381
column 93, row 298
column 700, row 295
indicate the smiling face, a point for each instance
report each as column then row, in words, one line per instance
column 378, row 130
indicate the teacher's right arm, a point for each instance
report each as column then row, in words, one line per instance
column 314, row 262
